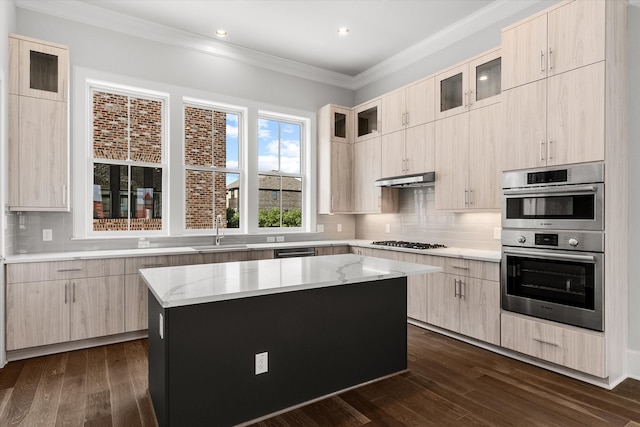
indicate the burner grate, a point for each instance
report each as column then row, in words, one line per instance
column 408, row 245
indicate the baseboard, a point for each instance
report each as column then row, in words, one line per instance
column 633, row 364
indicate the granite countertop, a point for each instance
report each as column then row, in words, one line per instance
column 474, row 254
column 195, row 284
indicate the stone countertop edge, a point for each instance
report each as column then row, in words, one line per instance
column 472, row 254
column 196, row 284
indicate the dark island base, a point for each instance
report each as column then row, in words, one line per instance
column 319, row 341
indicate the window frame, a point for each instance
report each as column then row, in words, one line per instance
column 93, row 86
column 242, row 113
column 306, row 170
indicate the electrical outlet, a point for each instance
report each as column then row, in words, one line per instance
column 271, row 239
column 142, row 243
column 47, row 235
column 387, row 228
column 279, row 238
column 497, row 233
column 320, row 228
column 339, row 228
column 262, row 363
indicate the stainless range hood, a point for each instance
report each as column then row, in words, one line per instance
column 406, row 181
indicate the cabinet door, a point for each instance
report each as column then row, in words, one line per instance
column 452, row 91
column 367, row 120
column 484, row 80
column 97, row 307
column 367, row 170
column 37, row 314
column 43, row 71
column 419, row 149
column 576, row 33
column 41, row 166
column 452, row 162
column 524, row 53
column 480, row 309
column 420, row 102
column 485, row 157
column 394, row 111
column 393, row 154
column 340, row 122
column 576, row 115
column 135, row 303
column 442, row 302
column 525, row 123
column 341, row 177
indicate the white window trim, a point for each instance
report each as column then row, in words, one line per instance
column 306, row 170
column 241, row 171
column 82, row 206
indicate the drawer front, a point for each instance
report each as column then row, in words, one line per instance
column 567, row 346
column 62, row 270
column 132, row 265
column 472, row 268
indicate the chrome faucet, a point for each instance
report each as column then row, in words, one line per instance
column 219, row 234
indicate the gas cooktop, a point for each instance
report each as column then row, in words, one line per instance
column 410, row 245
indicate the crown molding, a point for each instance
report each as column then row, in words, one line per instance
column 95, row 16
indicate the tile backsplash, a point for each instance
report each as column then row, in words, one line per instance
column 417, row 220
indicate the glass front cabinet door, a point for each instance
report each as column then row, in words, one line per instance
column 42, row 69
column 367, row 120
column 470, row 85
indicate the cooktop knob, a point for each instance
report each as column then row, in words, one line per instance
column 573, row 242
column 522, row 239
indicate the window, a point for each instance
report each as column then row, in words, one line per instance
column 128, row 160
column 280, row 175
column 212, row 165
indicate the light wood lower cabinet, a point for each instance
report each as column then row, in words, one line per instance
column 563, row 345
column 71, row 307
column 466, row 299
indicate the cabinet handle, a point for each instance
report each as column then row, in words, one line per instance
column 466, row 197
column 541, row 152
column 464, row 100
column 460, row 267
column 406, row 167
column 69, row 270
column 550, row 59
column 546, row 342
column 549, row 156
column 407, row 120
column 65, row 292
column 470, row 197
column 541, row 62
column 462, row 289
column 153, row 265
column 455, row 288
column 470, row 100
column 73, row 286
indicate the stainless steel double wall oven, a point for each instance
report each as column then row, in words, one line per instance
column 553, row 244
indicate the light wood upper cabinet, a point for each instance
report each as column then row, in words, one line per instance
column 557, row 120
column 335, row 160
column 39, row 69
column 367, row 120
column 563, row 38
column 468, row 160
column 367, row 169
column 470, row 85
column 38, row 126
column 409, row 106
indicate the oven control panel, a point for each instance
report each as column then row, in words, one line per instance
column 543, row 239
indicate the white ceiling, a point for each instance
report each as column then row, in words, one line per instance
column 298, row 36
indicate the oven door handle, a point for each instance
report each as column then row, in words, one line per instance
column 533, row 192
column 547, row 255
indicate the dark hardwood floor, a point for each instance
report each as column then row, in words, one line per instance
column 449, row 383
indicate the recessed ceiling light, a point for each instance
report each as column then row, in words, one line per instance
column 343, row 31
column 221, row 33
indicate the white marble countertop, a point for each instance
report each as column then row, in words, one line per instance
column 476, row 254
column 195, row 284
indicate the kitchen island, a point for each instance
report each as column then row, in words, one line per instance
column 234, row 342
